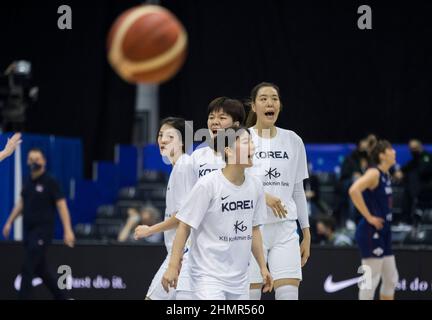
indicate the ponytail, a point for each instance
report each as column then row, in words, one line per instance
column 376, row 147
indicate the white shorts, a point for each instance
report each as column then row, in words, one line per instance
column 281, row 252
column 210, row 294
column 156, row 290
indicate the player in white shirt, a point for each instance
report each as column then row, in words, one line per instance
column 224, row 211
column 222, row 113
column 280, row 163
column 172, row 145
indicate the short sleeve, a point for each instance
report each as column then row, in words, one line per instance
column 56, row 191
column 196, row 205
column 183, row 183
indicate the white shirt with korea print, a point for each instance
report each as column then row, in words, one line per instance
column 279, row 163
column 205, row 160
column 222, row 215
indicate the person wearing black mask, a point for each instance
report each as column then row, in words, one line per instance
column 417, row 179
column 40, row 197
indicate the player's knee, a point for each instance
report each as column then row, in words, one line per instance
column 389, row 283
column 286, row 292
column 367, row 289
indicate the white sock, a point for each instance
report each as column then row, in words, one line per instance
column 287, row 292
column 255, row 294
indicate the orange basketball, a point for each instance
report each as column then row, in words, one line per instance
column 147, row 44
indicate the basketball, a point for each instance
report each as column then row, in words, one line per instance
column 147, row 44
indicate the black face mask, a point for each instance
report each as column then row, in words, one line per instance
column 35, row 166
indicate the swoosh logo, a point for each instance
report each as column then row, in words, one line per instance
column 224, row 198
column 17, row 283
column 330, row 286
column 202, row 165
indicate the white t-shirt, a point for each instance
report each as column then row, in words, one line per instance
column 205, row 160
column 179, row 186
column 222, row 216
column 280, row 163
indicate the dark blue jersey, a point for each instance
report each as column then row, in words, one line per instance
column 379, row 200
column 372, row 242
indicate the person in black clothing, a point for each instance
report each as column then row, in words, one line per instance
column 312, row 191
column 352, row 168
column 416, row 178
column 40, row 197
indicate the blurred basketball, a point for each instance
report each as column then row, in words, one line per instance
column 147, row 44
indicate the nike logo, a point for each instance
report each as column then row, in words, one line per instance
column 202, row 165
column 17, row 283
column 330, row 286
column 224, row 198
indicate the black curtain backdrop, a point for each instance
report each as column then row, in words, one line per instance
column 80, row 95
column 338, row 82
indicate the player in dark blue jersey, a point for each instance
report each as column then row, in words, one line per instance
column 372, row 196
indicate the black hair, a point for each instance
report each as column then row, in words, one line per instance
column 226, row 138
column 232, row 107
column 327, row 221
column 180, row 125
column 376, row 147
column 252, row 117
column 36, row 149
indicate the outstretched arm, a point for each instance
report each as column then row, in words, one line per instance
column 145, row 231
column 11, row 145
